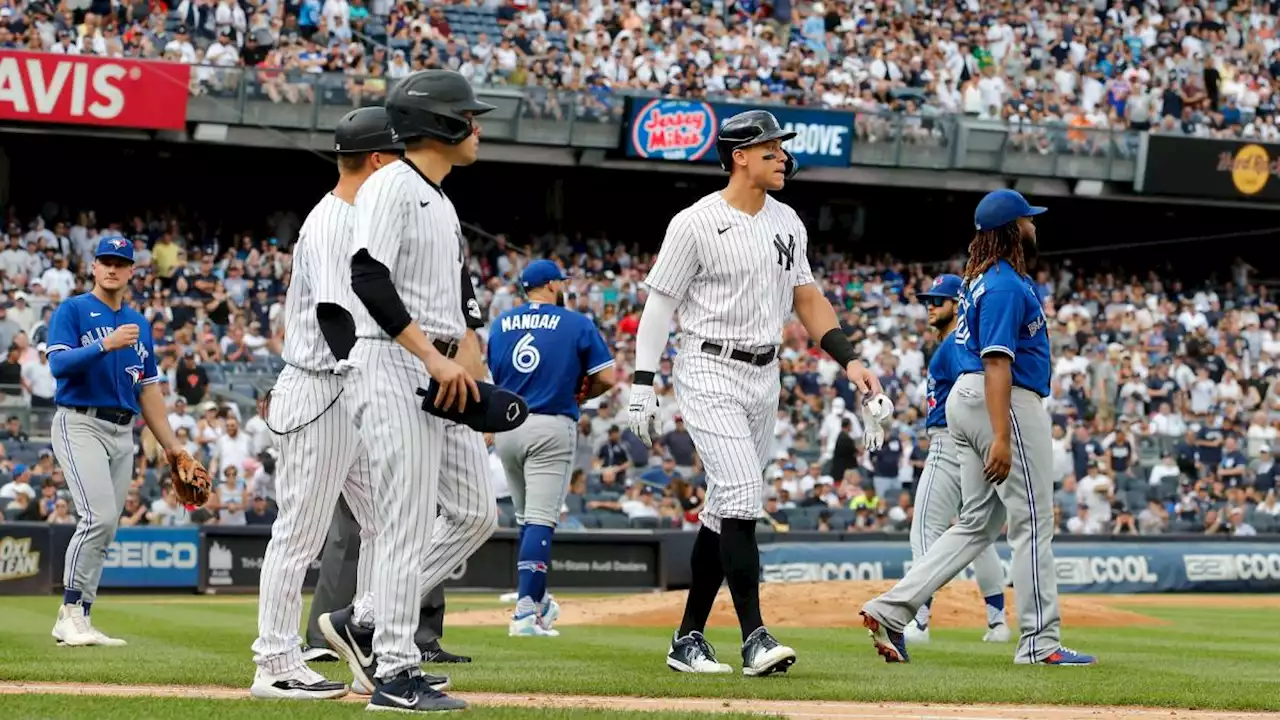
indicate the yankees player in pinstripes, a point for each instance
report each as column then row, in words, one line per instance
column 554, row 358
column 407, row 260
column 321, row 454
column 937, row 499
column 734, row 267
column 1002, row 434
column 102, row 355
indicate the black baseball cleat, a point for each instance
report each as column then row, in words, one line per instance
column 411, row 693
column 433, row 653
column 355, row 644
column 693, row 654
column 762, row 655
column 318, row 654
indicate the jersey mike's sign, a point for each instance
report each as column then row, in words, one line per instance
column 88, row 90
column 685, row 131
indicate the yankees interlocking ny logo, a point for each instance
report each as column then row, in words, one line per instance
column 785, row 251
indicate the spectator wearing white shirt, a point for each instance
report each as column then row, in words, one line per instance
column 167, row 510
column 223, row 53
column 1096, row 491
column 1166, row 468
column 233, row 447
column 39, row 379
column 180, row 418
column 22, row 313
column 1083, row 524
column 181, row 46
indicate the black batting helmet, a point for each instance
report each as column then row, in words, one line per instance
column 752, row 127
column 433, row 104
column 364, row 131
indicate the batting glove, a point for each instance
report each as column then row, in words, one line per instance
column 876, row 414
column 642, row 411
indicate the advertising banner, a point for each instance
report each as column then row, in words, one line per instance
column 89, row 90
column 685, row 131
column 233, row 559
column 26, row 562
column 153, row 557
column 1081, row 567
column 1211, row 168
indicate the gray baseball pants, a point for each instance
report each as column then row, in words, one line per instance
column 97, row 457
column 538, row 458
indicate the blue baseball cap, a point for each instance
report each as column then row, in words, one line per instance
column 1001, row 207
column 19, row 469
column 944, row 286
column 539, row 273
column 115, row 246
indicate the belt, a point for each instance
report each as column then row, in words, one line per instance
column 112, row 415
column 757, row 359
column 447, row 348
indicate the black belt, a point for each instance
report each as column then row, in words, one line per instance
column 757, row 359
column 111, row 415
column 447, row 348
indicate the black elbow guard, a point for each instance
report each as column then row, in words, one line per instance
column 338, row 328
column 371, row 282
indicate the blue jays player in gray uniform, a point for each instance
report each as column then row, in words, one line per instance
column 937, row 496
column 1002, row 432
column 102, row 356
column 554, row 358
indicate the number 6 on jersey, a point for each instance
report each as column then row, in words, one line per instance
column 524, row 356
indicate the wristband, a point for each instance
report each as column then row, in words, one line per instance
column 642, row 377
column 835, row 344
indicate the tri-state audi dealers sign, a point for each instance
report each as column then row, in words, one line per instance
column 87, row 90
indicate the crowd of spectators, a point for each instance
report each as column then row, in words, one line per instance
column 1180, row 66
column 1165, row 401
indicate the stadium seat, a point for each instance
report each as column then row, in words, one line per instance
column 611, row 520
column 644, row 523
column 590, row 522
column 576, row 503
column 802, row 521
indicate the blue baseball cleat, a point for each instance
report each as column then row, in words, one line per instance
column 891, row 645
column 1069, row 657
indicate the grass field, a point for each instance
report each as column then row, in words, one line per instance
column 1209, row 657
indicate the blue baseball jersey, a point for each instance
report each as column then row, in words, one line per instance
column 944, row 368
column 114, row 379
column 542, row 352
column 999, row 312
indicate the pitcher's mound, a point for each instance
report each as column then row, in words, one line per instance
column 808, row 605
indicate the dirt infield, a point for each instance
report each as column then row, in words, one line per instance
column 808, row 605
column 799, row 709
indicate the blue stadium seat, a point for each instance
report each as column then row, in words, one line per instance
column 590, row 522
column 802, row 521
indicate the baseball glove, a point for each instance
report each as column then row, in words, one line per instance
column 191, row 481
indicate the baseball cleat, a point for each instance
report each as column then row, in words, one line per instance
column 998, row 633
column 411, row 693
column 550, row 610
column 891, row 645
column 433, row 653
column 354, row 644
column 318, row 654
column 762, row 655
column 693, row 654
column 916, row 635
column 73, row 629
column 302, row 684
column 530, row 625
column 1068, row 657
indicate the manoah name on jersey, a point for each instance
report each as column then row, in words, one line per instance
column 530, row 321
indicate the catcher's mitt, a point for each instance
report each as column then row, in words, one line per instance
column 191, row 481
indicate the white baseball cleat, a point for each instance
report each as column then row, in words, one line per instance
column 73, row 628
column 301, row 684
column 915, row 634
column 998, row 634
column 530, row 626
column 550, row 612
column 509, row 597
column 693, row 654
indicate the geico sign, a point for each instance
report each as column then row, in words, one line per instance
column 1113, row 569
column 815, row 572
column 158, row 554
column 1219, row 567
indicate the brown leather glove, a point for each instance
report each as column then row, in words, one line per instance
column 190, row 480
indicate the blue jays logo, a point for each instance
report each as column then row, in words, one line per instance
column 673, row 130
column 937, row 281
column 135, row 373
column 117, row 243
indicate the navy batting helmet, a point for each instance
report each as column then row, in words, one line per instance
column 752, row 127
column 364, row 131
column 435, row 104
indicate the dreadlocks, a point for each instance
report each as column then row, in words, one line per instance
column 988, row 246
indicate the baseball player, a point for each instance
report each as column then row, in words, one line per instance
column 406, row 269
column 321, row 454
column 101, row 354
column 1002, row 434
column 554, row 358
column 734, row 266
column 937, row 498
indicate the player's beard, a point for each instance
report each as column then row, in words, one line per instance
column 1030, row 252
column 942, row 318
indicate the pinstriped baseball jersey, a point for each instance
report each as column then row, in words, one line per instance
column 321, row 273
column 408, row 224
column 735, row 274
